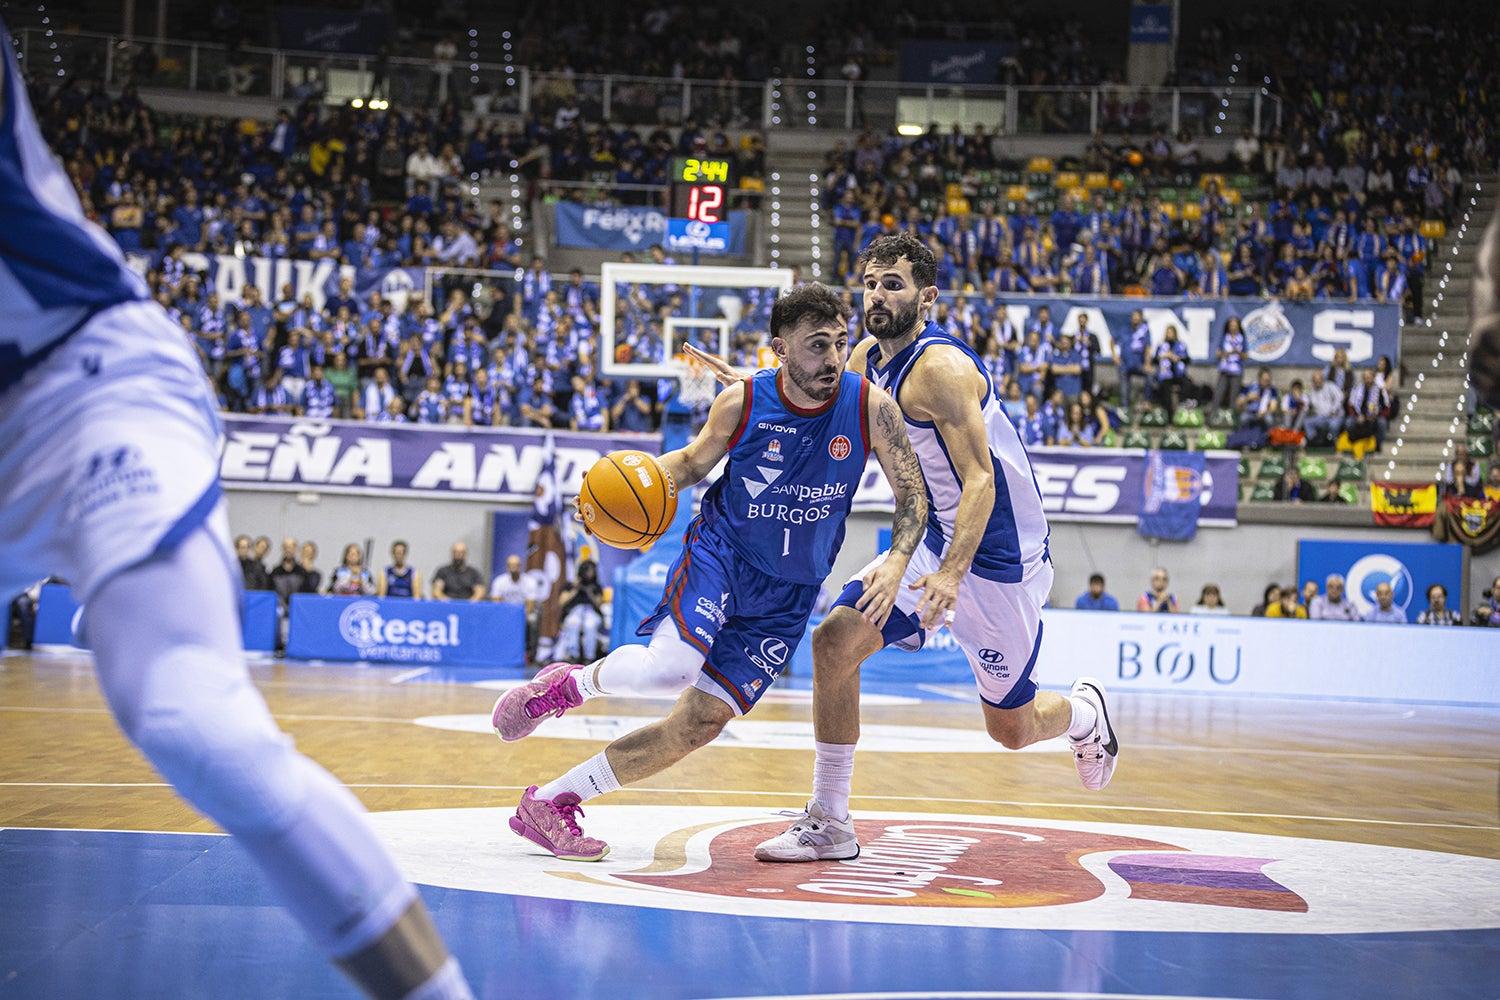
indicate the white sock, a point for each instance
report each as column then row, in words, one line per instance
column 447, row 983
column 587, row 680
column 1085, row 716
column 591, row 778
column 833, row 775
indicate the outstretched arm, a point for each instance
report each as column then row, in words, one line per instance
column 690, row 463
column 894, row 452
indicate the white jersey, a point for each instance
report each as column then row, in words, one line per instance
column 1016, row 536
column 57, row 269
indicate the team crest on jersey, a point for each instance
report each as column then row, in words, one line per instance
column 839, row 448
column 773, row 451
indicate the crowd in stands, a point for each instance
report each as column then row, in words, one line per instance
column 1330, row 603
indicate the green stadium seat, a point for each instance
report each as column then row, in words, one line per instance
column 1210, row 441
column 1108, row 439
column 1167, row 194
column 1272, row 467
column 1188, row 417
column 1312, row 469
column 1481, row 423
column 1137, row 439
column 1481, row 445
column 1153, row 418
column 1223, row 420
column 1244, row 468
column 1348, row 493
column 1263, row 491
column 1174, row 440
column 1351, row 471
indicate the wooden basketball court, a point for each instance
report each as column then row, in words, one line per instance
column 1247, row 847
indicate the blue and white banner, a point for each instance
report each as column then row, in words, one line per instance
column 703, row 237
column 952, row 62
column 1151, row 24
column 626, row 227
column 402, row 630
column 56, row 608
column 468, row 463
column 1096, row 484
column 1409, row 567
column 1174, row 495
column 1304, row 334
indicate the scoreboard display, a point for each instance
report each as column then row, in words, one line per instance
column 699, row 190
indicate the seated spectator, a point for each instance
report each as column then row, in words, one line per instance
column 399, row 579
column 1369, row 410
column 1209, row 602
column 1385, row 609
column 1287, row 606
column 1258, row 403
column 378, row 397
column 1325, row 411
column 1096, row 598
column 457, row 580
column 252, row 570
column 1075, row 432
column 1158, row 599
column 1294, row 407
column 1463, row 483
column 1437, row 611
column 1488, row 613
column 582, row 615
column 1293, row 489
column 1492, row 482
column 1333, row 605
column 1269, row 599
column 350, row 578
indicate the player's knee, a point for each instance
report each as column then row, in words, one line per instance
column 1008, row 729
column 836, row 643
column 699, row 724
column 209, row 733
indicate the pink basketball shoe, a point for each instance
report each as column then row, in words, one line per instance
column 553, row 824
column 520, row 710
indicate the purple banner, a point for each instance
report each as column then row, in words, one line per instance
column 466, row 463
column 1094, row 484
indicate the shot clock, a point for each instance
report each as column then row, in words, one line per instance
column 699, row 217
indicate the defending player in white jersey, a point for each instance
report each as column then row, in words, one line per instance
column 116, row 489
column 984, row 566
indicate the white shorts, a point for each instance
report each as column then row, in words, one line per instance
column 997, row 625
column 109, row 453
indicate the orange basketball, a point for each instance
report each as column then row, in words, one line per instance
column 1134, row 158
column 627, row 499
column 1117, row 185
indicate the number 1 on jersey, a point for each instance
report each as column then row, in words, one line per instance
column 786, row 541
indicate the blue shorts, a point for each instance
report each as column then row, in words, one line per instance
column 746, row 624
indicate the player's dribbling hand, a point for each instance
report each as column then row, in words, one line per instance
column 723, row 370
column 938, row 600
column 578, row 514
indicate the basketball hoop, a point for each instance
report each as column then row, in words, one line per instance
column 697, row 385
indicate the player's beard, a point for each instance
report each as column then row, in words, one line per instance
column 811, row 384
column 897, row 325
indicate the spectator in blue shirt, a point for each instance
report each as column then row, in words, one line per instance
column 1067, row 368
column 1231, row 356
column 1131, row 354
column 1096, row 599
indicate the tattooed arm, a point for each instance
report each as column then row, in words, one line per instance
column 894, row 452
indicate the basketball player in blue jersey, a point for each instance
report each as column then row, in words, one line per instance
column 983, row 567
column 117, row 490
column 739, row 595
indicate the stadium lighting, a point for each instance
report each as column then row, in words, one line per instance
column 908, row 128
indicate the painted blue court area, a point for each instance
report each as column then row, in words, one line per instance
column 91, row 914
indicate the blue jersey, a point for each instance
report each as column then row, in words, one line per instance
column 398, row 584
column 57, row 269
column 792, row 474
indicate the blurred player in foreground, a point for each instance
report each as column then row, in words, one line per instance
column 109, row 478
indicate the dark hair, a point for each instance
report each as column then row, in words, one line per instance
column 1096, row 578
column 1436, row 586
column 814, row 300
column 887, row 250
column 1266, row 597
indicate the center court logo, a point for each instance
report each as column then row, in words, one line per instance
column 968, row 871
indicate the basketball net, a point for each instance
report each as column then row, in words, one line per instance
column 697, row 385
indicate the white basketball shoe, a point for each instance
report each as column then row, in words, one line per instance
column 813, row 836
column 1095, row 754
